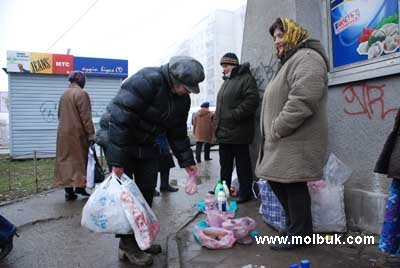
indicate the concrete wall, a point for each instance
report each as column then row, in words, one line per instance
column 360, row 114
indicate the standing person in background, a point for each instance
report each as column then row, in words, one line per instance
column 294, row 127
column 74, row 136
column 237, row 102
column 166, row 162
column 203, row 131
column 389, row 164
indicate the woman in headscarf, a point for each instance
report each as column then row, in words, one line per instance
column 75, row 134
column 294, row 124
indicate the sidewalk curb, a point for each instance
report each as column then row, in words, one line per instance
column 173, row 254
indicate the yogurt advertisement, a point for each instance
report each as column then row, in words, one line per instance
column 363, row 30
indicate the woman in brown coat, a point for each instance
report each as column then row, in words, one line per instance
column 203, row 131
column 75, row 134
column 294, row 124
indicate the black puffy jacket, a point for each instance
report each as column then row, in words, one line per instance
column 237, row 102
column 143, row 108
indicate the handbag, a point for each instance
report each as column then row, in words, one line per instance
column 99, row 173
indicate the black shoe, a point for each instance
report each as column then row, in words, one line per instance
column 137, row 257
column 211, row 192
column 282, row 232
column 198, row 161
column 208, row 159
column 282, row 246
column 154, row 249
column 70, row 197
column 81, row 191
column 156, row 193
column 169, row 188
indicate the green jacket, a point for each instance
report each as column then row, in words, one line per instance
column 237, row 103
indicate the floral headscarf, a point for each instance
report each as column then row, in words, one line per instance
column 293, row 33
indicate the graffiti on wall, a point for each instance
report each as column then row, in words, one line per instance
column 49, row 111
column 366, row 100
column 264, row 72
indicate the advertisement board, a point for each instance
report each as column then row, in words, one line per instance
column 41, row 63
column 102, row 67
column 363, row 30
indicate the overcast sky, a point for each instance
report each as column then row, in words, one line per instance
column 137, row 30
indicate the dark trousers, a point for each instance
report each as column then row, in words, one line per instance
column 295, row 200
column 199, row 146
column 241, row 154
column 164, row 177
column 145, row 173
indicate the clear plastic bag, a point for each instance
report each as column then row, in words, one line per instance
column 191, row 183
column 103, row 212
column 240, row 227
column 216, row 238
column 90, row 169
column 335, row 171
column 139, row 214
column 215, row 217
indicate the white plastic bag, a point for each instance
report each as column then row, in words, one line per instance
column 103, row 212
column 90, row 169
column 139, row 214
column 327, row 207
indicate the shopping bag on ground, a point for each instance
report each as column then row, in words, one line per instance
column 327, row 207
column 139, row 214
column 216, row 238
column 103, row 212
column 273, row 213
column 240, row 227
column 90, row 169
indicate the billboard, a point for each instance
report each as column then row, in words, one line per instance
column 45, row 63
column 41, row 63
column 363, row 30
column 102, row 67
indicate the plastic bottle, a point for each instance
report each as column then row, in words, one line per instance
column 221, row 199
column 305, row 264
column 226, row 189
column 217, row 188
column 294, row 265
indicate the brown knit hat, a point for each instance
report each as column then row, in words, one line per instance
column 230, row 58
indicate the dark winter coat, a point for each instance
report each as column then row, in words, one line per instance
column 237, row 102
column 389, row 160
column 144, row 108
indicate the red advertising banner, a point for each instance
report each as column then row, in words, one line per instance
column 62, row 64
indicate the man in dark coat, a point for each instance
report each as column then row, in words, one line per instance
column 237, row 102
column 153, row 101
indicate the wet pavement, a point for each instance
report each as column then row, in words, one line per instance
column 51, row 235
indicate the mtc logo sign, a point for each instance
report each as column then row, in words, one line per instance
column 62, row 64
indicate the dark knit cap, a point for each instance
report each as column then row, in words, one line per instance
column 77, row 77
column 205, row 105
column 230, row 58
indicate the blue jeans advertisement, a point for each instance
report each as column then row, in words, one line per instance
column 363, row 30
